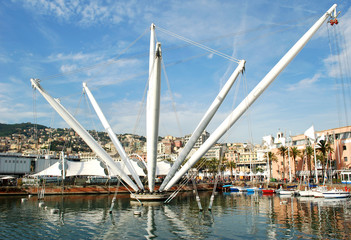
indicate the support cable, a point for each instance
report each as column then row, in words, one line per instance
column 230, row 58
column 172, row 99
column 183, row 183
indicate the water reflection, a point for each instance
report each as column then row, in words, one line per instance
column 233, row 216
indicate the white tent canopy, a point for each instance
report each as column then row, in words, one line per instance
column 94, row 168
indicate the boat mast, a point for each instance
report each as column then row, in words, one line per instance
column 112, row 136
column 73, row 123
column 204, row 122
column 153, row 108
column 250, row 99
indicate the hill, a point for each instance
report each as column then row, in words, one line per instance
column 8, row 129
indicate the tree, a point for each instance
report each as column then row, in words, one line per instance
column 282, row 151
column 231, row 165
column 324, row 148
column 212, row 166
column 271, row 158
column 309, row 152
column 295, row 153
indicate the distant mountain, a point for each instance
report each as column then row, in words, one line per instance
column 8, row 129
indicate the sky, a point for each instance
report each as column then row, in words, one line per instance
column 106, row 45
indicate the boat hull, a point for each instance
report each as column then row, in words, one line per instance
column 268, row 191
column 336, row 194
column 150, row 197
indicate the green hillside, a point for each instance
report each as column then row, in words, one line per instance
column 8, row 129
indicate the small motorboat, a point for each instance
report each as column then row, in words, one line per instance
column 287, row 192
column 238, row 189
column 252, row 189
column 336, row 193
column 268, row 191
column 318, row 192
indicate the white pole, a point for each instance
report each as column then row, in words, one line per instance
column 269, row 168
column 315, row 162
column 63, row 166
column 112, row 136
column 89, row 140
column 203, row 123
column 251, row 172
column 152, row 48
column 250, row 99
column 153, row 115
column 289, row 147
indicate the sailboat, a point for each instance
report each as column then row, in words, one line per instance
column 177, row 171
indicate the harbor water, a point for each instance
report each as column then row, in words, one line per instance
column 233, row 216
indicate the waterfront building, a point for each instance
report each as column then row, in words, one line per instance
column 18, row 164
column 216, row 151
column 203, row 137
column 339, row 159
column 247, row 158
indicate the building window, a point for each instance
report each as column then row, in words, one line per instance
column 345, row 159
column 344, row 148
column 5, row 161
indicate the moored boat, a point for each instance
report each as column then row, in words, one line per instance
column 318, row 192
column 287, row 192
column 336, row 193
column 238, row 189
column 252, row 189
column 305, row 193
column 268, row 191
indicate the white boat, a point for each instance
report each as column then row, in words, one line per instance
column 238, row 189
column 336, row 193
column 306, row 193
column 318, row 192
column 286, row 192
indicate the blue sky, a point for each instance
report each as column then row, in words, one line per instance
column 65, row 43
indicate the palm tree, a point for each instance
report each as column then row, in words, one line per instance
column 282, row 151
column 212, row 166
column 271, row 158
column 309, row 153
column 295, row 153
column 231, row 165
column 323, row 147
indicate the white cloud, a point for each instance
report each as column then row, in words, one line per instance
column 68, row 68
column 71, row 57
column 86, row 13
column 305, row 83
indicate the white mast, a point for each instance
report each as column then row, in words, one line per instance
column 152, row 49
column 73, row 123
column 63, row 166
column 315, row 161
column 112, row 136
column 250, row 99
column 152, row 117
column 204, row 122
column 289, row 148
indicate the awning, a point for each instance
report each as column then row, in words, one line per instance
column 7, row 177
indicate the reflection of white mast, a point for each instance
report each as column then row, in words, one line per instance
column 88, row 139
column 112, row 136
column 251, row 98
column 150, row 223
column 177, row 222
